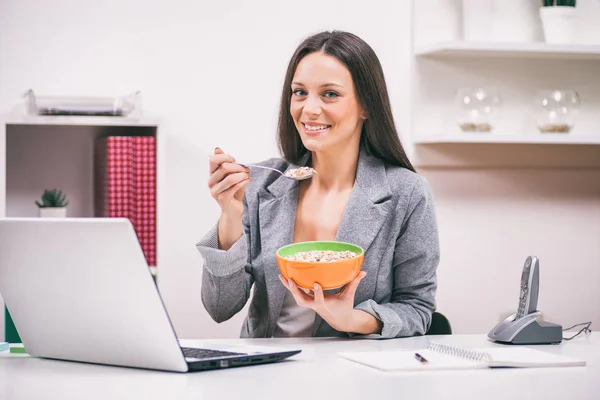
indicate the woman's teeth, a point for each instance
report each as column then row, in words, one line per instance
column 316, row 128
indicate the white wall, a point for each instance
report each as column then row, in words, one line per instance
column 212, row 71
column 491, row 220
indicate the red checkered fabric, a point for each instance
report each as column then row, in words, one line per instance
column 125, row 185
column 144, row 189
column 114, row 176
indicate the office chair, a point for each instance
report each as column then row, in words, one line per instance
column 439, row 325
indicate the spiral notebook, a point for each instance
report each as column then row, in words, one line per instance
column 441, row 356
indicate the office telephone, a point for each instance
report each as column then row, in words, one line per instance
column 523, row 327
column 529, row 288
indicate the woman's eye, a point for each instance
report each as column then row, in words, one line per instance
column 330, row 94
column 298, row 92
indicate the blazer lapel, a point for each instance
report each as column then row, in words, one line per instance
column 368, row 205
column 366, row 211
column 277, row 217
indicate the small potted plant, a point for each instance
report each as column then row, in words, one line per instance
column 559, row 21
column 53, row 205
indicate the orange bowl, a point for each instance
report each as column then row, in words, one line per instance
column 328, row 274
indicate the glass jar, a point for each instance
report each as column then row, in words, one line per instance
column 557, row 110
column 477, row 109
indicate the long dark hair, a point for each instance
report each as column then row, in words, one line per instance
column 379, row 136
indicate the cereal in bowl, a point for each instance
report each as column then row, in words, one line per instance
column 323, row 256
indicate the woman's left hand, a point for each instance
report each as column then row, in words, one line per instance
column 336, row 309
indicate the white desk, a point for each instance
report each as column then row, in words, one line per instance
column 316, row 373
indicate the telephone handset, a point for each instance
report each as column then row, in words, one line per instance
column 523, row 327
column 528, row 296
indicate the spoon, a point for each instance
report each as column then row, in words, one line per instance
column 309, row 173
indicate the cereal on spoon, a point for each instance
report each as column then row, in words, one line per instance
column 300, row 172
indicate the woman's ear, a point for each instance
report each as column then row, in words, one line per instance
column 363, row 112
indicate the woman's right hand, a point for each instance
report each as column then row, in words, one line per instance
column 226, row 183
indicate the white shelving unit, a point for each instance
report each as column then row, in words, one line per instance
column 62, row 149
column 492, row 138
column 443, row 63
column 517, row 71
column 79, row 121
column 511, row 50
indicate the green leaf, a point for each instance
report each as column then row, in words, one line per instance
column 53, row 198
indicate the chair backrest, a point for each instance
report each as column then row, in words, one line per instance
column 439, row 325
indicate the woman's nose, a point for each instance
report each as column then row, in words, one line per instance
column 312, row 105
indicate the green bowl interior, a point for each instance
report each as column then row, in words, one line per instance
column 309, row 246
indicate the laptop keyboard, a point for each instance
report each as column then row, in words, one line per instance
column 207, row 353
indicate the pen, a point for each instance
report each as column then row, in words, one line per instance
column 420, row 358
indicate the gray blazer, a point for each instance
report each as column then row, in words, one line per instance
column 390, row 214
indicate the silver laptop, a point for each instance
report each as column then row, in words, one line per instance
column 79, row 289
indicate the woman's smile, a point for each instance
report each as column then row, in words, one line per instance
column 314, row 128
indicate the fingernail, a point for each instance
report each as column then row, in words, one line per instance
column 316, row 286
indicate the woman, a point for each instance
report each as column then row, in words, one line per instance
column 335, row 117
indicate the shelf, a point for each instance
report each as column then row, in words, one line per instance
column 516, row 50
column 79, row 120
column 510, row 139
